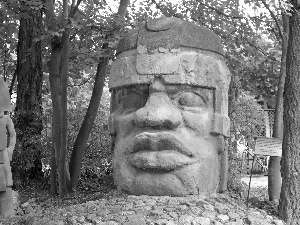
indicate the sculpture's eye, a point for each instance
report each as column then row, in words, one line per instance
column 190, row 99
column 133, row 101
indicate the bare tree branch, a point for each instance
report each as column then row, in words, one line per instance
column 274, row 18
column 234, row 17
column 75, row 8
column 123, row 8
column 257, row 48
column 219, row 11
column 50, row 15
column 277, row 34
column 166, row 12
column 12, row 83
column 65, row 12
column 80, row 84
column 160, row 8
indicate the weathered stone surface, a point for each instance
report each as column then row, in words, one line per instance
column 223, row 218
column 277, row 222
column 257, row 221
column 218, row 223
column 169, row 110
column 233, row 215
column 136, row 219
column 6, row 128
column 185, row 219
column 176, row 33
column 201, row 221
column 5, row 104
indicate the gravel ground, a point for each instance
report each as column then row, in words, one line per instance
column 114, row 208
column 117, row 209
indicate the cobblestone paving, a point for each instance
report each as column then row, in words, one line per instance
column 153, row 210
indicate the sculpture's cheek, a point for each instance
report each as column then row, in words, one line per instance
column 124, row 173
column 124, row 125
column 200, row 123
column 201, row 177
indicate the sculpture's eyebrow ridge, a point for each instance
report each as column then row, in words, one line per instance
column 205, row 93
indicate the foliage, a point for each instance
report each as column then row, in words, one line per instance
column 97, row 159
column 235, row 184
column 246, row 117
column 25, row 162
column 246, row 122
column 8, row 40
column 251, row 49
column 250, row 40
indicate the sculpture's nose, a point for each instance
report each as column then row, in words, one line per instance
column 158, row 112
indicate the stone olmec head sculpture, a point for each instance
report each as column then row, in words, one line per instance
column 6, row 151
column 169, row 114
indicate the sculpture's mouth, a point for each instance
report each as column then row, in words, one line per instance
column 160, row 150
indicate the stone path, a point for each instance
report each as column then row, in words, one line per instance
column 256, row 181
column 152, row 210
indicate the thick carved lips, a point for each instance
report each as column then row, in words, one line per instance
column 161, row 151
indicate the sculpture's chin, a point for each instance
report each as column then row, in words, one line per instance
column 180, row 182
column 149, row 183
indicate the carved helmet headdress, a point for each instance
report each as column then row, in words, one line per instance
column 174, row 49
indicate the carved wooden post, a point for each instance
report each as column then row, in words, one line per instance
column 6, row 150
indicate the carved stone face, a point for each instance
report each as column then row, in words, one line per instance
column 163, row 144
column 169, row 111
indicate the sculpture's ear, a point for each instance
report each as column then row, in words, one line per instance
column 111, row 125
column 112, row 131
column 220, row 125
column 223, row 164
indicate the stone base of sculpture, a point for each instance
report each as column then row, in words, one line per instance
column 6, row 203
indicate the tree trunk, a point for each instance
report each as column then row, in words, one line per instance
column 86, row 127
column 289, row 205
column 274, row 176
column 55, row 87
column 29, row 98
column 53, row 175
column 64, row 132
column 58, row 77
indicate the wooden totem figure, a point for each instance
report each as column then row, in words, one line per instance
column 7, row 144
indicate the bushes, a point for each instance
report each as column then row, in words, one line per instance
column 235, row 173
column 246, row 122
column 28, row 152
column 97, row 157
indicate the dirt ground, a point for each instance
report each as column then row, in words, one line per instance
column 256, row 181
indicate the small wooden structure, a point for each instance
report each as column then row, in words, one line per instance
column 268, row 146
column 265, row 146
